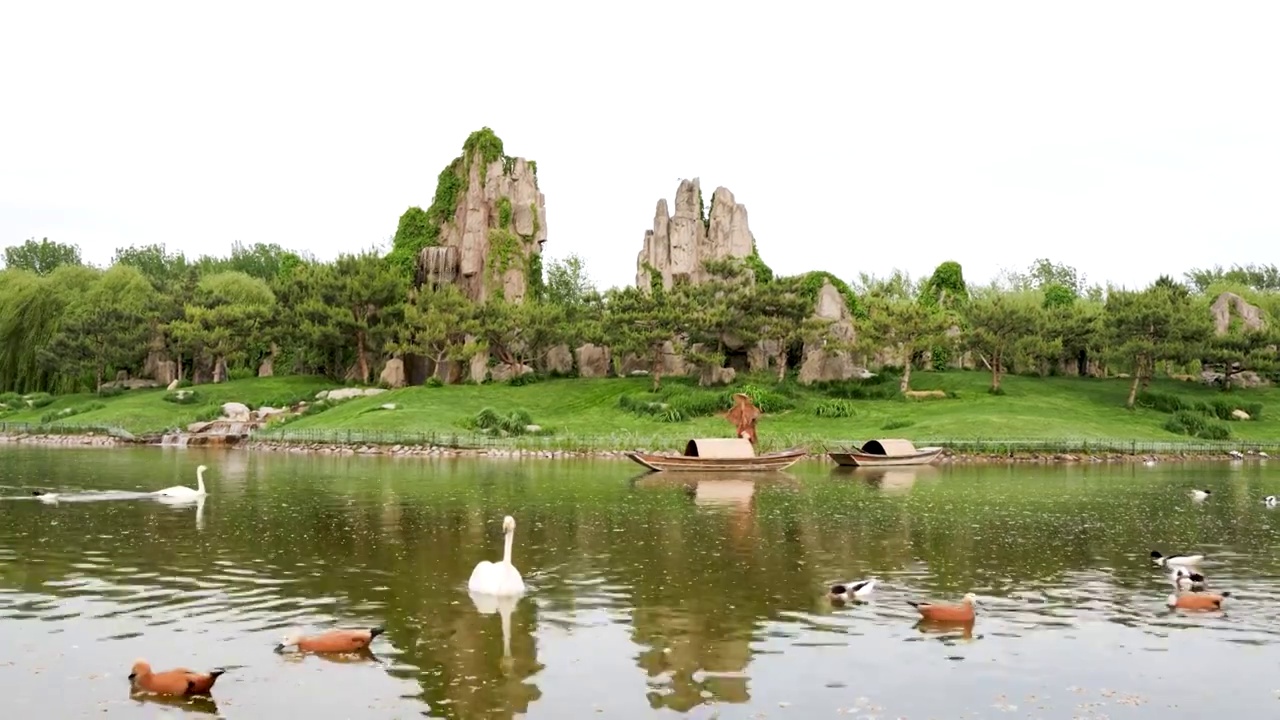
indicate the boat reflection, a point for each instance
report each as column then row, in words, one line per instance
column 891, row 481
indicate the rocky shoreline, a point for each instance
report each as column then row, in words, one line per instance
column 949, row 457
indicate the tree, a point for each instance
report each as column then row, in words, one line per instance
column 106, row 327
column 31, row 310
column 436, row 323
column 997, row 327
column 158, row 265
column 1148, row 326
column 231, row 320
column 1263, row 278
column 41, row 257
column 907, row 326
column 314, row 330
column 372, row 293
column 641, row 323
column 782, row 316
column 945, row 287
column 1242, row 349
column 568, row 284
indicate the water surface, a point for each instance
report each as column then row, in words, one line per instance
column 649, row 595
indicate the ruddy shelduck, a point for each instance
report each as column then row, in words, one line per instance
column 178, row 681
column 1185, row 560
column 333, row 641
column 841, row 592
column 960, row 612
column 1197, row 601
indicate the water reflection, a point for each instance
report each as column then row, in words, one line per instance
column 683, row 591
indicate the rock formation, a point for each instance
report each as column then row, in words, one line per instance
column 1229, row 303
column 678, row 245
column 492, row 223
column 488, row 226
column 830, row 357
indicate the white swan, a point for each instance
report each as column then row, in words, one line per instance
column 499, row 579
column 182, row 491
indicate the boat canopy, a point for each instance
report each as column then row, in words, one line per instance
column 720, row 448
column 889, row 447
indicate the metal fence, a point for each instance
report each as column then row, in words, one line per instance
column 676, row 441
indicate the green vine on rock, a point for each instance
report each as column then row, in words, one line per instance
column 504, row 213
column 533, row 166
column 810, row 284
column 537, row 224
column 763, row 272
column 504, row 246
column 486, row 142
column 535, row 286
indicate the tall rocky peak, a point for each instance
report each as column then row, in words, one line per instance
column 487, row 224
column 678, row 245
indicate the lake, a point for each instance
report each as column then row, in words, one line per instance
column 649, row 595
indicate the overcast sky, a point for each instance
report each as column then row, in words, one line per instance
column 1127, row 139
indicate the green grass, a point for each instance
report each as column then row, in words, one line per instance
column 589, row 411
column 145, row 411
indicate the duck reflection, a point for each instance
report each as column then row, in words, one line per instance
column 200, row 704
column 945, row 630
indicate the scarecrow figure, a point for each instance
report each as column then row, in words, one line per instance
column 744, row 415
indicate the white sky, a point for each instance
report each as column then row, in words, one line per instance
column 1127, row 139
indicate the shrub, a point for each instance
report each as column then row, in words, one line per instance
column 183, row 397
column 834, row 408
column 433, row 382
column 516, row 422
column 67, row 412
column 1214, row 431
column 1162, row 401
column 39, row 400
column 11, row 401
column 110, row 391
column 525, row 379
column 1254, row 410
column 876, row 387
column 896, row 423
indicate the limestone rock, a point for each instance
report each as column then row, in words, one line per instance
column 679, row 244
column 173, row 385
column 235, row 411
column 559, row 360
column 593, row 360
column 1251, row 316
column 712, row 375
column 829, row 358
column 498, row 223
column 504, row 372
column 479, row 367
column 1239, row 414
column 341, row 394
column 392, row 373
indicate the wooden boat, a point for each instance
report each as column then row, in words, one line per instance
column 886, row 453
column 718, row 455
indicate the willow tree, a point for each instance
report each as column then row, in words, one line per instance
column 31, row 310
column 105, row 327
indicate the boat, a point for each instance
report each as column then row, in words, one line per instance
column 719, row 455
column 886, row 452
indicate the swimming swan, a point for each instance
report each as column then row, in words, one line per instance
column 182, row 491
column 499, row 579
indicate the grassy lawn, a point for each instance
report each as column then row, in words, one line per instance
column 145, row 411
column 1031, row 408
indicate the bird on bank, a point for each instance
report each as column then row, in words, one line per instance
column 1200, row 494
column 960, row 612
column 1186, row 579
column 333, row 641
column 841, row 592
column 1172, row 560
column 1197, row 601
column 179, row 681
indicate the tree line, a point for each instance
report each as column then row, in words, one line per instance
column 66, row 326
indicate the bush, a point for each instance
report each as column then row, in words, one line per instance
column 11, row 401
column 1162, row 401
column 110, row 391
column 1214, row 431
column 39, row 400
column 525, row 379
column 516, row 422
column 834, row 409
column 65, row 413
column 183, row 397
column 433, row 382
column 896, row 423
column 876, row 387
column 1254, row 410
column 1195, row 424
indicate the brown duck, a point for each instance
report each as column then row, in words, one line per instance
column 179, row 681
column 333, row 641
